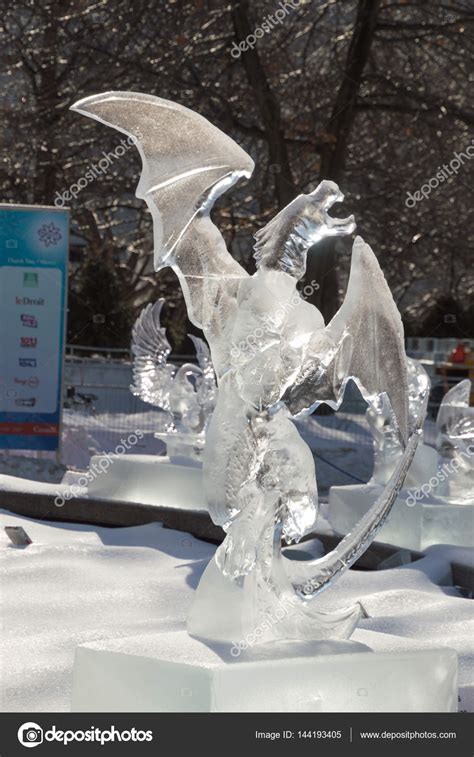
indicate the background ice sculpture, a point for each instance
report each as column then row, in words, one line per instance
column 275, row 359
column 388, row 447
column 436, row 504
column 186, row 394
column 455, row 443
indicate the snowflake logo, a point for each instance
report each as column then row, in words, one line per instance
column 49, row 234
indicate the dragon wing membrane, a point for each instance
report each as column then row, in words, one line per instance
column 187, row 163
column 369, row 328
column 363, row 341
column 150, row 348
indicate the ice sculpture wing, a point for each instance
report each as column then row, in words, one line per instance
column 187, row 163
column 202, row 353
column 152, row 374
column 364, row 341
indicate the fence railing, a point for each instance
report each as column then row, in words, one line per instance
column 84, row 352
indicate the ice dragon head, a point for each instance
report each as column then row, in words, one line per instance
column 284, row 242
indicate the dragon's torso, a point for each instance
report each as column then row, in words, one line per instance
column 272, row 328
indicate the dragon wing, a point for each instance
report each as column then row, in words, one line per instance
column 187, row 163
column 364, row 341
column 152, row 374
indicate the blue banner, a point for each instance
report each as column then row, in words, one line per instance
column 34, row 247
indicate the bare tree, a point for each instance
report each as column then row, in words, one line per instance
column 373, row 94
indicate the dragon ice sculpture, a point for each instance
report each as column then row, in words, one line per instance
column 186, row 394
column 275, row 359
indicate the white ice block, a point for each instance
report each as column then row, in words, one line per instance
column 148, row 480
column 172, row 672
column 416, row 526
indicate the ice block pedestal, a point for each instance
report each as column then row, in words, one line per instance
column 148, row 480
column 172, row 672
column 413, row 526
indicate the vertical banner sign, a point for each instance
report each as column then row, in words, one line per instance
column 34, row 244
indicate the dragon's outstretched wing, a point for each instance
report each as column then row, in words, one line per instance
column 187, row 164
column 152, row 374
column 364, row 341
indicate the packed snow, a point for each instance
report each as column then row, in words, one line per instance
column 79, row 583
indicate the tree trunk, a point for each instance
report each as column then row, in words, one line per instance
column 269, row 107
column 48, row 102
column 322, row 259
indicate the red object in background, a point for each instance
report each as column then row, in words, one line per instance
column 458, row 355
column 29, row 429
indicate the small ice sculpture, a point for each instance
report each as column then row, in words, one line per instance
column 274, row 358
column 455, row 444
column 186, row 394
column 388, row 447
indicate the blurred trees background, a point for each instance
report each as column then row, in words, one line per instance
column 373, row 94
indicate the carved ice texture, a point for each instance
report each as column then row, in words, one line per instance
column 453, row 461
column 275, row 359
column 186, row 394
column 436, row 504
column 455, row 443
column 388, row 447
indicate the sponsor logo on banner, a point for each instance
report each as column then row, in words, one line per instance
column 29, row 301
column 29, row 320
column 28, row 341
column 29, row 402
column 27, row 362
column 29, row 429
column 32, row 382
column 30, row 279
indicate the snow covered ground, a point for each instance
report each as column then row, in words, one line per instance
column 76, row 584
column 79, row 583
